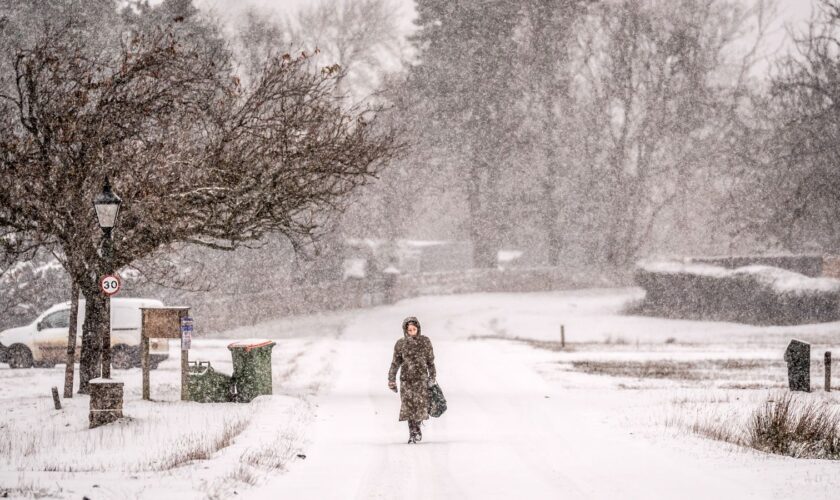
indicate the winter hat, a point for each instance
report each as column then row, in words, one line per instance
column 410, row 320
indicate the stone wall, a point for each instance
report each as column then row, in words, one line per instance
column 494, row 280
column 220, row 313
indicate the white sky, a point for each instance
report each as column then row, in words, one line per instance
column 284, row 8
column 791, row 11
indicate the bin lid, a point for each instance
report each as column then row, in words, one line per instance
column 249, row 344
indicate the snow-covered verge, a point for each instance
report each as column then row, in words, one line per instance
column 164, row 448
column 616, row 413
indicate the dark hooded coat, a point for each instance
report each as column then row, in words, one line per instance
column 415, row 360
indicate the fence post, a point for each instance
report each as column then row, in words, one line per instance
column 562, row 336
column 56, row 401
column 827, row 371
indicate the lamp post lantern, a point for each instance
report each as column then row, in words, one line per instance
column 107, row 206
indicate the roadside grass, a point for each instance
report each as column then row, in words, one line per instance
column 797, row 426
column 265, row 457
column 229, row 485
column 275, row 454
column 191, row 448
column 609, row 342
column 27, row 489
column 549, row 345
column 742, row 371
column 243, row 474
column 158, row 437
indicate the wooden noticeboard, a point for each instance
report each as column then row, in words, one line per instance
column 162, row 323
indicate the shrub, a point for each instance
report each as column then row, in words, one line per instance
column 750, row 294
column 797, row 429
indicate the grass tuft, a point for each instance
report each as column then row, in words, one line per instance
column 795, row 428
column 784, row 424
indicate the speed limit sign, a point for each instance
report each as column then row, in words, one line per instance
column 110, row 284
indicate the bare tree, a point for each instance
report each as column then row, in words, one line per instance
column 548, row 28
column 196, row 156
column 361, row 41
column 466, row 87
column 361, row 36
column 658, row 101
column 795, row 187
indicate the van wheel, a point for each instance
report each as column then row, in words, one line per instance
column 121, row 357
column 20, row 356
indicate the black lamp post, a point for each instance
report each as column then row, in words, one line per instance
column 107, row 206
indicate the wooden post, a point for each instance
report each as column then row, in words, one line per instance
column 185, row 367
column 162, row 323
column 56, row 401
column 562, row 336
column 144, row 364
column 827, row 371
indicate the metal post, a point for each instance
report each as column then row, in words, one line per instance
column 562, row 336
column 108, row 248
column 827, row 371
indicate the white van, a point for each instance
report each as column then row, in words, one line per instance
column 44, row 341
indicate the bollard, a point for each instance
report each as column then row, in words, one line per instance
column 827, row 371
column 562, row 336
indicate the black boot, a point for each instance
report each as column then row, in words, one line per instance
column 413, row 431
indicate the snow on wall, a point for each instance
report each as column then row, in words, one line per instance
column 756, row 294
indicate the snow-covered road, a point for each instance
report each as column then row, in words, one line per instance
column 509, row 432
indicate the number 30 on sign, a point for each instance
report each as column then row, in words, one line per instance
column 110, row 284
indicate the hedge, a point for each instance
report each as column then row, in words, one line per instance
column 754, row 294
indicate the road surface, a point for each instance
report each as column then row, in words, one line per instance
column 508, row 433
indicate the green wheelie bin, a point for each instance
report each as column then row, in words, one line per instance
column 206, row 385
column 251, row 368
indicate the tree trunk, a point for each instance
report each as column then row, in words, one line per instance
column 71, row 341
column 90, row 359
column 483, row 241
column 484, row 251
column 551, row 214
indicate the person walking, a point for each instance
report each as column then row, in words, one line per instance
column 415, row 360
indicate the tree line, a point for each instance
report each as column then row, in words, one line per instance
column 584, row 132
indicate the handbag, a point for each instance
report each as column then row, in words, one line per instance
column 437, row 403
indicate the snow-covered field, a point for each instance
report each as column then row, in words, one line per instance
column 609, row 416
